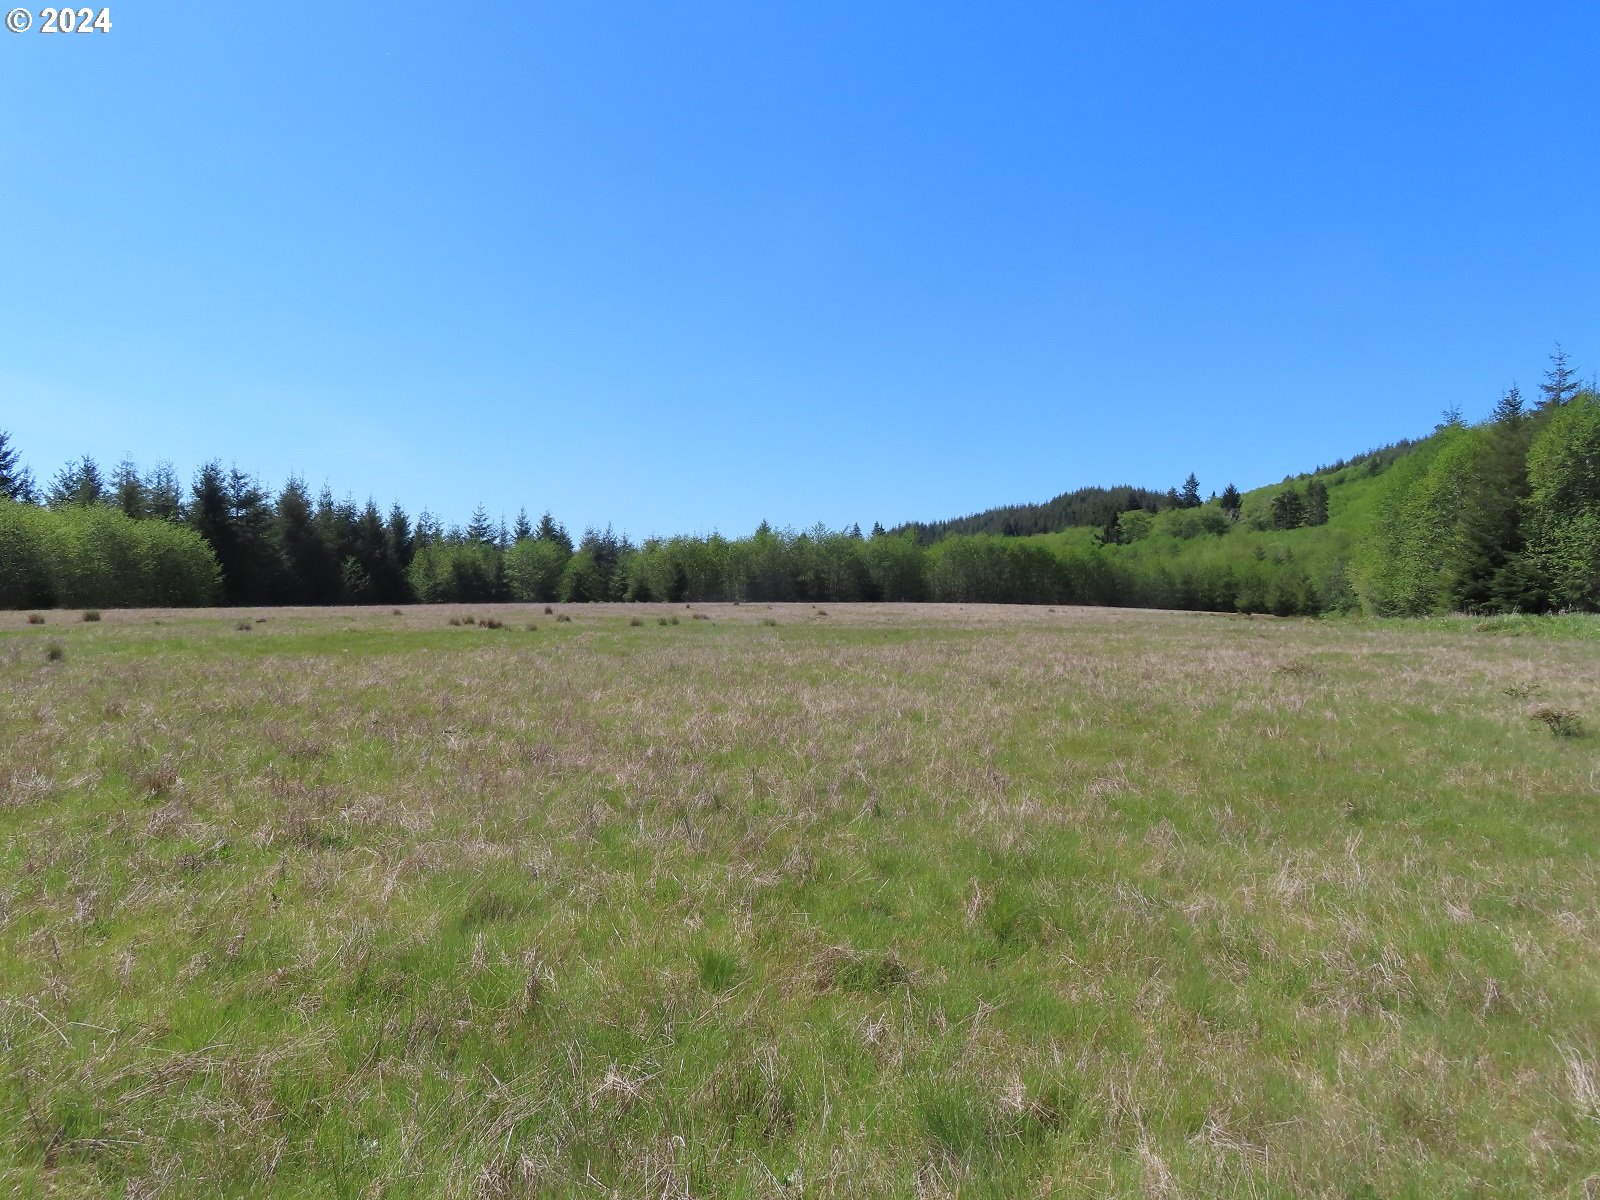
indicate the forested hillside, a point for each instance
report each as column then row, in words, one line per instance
column 1500, row 516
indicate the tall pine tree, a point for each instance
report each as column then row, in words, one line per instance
column 16, row 481
column 1560, row 381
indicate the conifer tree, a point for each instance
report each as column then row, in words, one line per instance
column 1288, row 509
column 550, row 530
column 401, row 543
column 479, row 529
column 164, row 494
column 1316, row 507
column 78, row 482
column 1560, row 381
column 16, row 481
column 1508, row 409
column 128, row 490
column 1191, row 492
column 1232, row 502
column 522, row 530
column 313, row 575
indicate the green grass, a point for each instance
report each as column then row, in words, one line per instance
column 914, row 901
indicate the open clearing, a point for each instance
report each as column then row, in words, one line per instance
column 891, row 900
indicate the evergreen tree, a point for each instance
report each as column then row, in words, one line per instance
column 552, row 531
column 480, row 529
column 1508, row 410
column 878, row 529
column 1288, row 509
column 1191, row 492
column 1560, row 381
column 164, row 494
column 16, row 481
column 78, row 482
column 522, row 530
column 402, row 544
column 428, row 531
column 379, row 573
column 1232, row 502
column 128, row 490
column 1111, row 533
column 313, row 573
column 260, row 570
column 1316, row 508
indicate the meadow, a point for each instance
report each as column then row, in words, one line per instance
column 772, row 901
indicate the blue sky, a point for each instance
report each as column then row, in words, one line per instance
column 679, row 267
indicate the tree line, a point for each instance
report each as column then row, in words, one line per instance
column 1501, row 516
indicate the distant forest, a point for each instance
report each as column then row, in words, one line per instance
column 1498, row 516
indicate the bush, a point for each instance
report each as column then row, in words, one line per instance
column 55, row 652
column 91, row 614
column 1561, row 722
column 85, row 556
column 35, row 618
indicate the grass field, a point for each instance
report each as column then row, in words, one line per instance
column 888, row 901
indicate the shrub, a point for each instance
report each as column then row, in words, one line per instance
column 769, row 621
column 54, row 652
column 548, row 611
column 245, row 626
column 456, row 621
column 564, row 618
column 664, row 621
column 91, row 614
column 35, row 618
column 491, row 623
column 1561, row 722
column 636, row 621
column 701, row 617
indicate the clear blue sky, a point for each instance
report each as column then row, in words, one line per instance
column 687, row 266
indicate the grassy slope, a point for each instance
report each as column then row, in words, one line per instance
column 887, row 902
column 1325, row 552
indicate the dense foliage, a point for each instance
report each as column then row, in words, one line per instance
column 1501, row 517
column 88, row 556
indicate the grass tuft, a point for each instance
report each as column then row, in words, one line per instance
column 719, row 970
column 91, row 614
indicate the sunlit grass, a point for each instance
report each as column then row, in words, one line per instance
column 899, row 901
